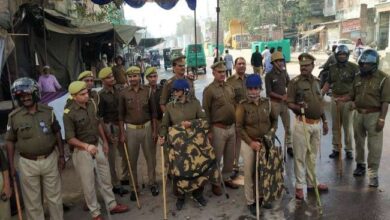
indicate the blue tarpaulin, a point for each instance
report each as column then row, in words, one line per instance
column 165, row 4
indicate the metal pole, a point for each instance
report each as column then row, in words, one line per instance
column 217, row 46
column 196, row 46
column 44, row 32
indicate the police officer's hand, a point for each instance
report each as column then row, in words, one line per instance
column 105, row 148
column 161, row 140
column 92, row 149
column 255, row 145
column 186, row 124
column 303, row 105
column 325, row 128
column 7, row 191
column 122, row 138
column 61, row 163
column 380, row 124
column 210, row 136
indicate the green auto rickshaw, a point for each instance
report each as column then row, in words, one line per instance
column 195, row 58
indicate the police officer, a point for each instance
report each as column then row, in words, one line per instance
column 84, row 130
column 218, row 103
column 276, row 82
column 188, row 113
column 340, row 79
column 88, row 77
column 179, row 69
column 254, row 119
column 5, row 186
column 137, row 112
column 304, row 93
column 155, row 89
column 34, row 132
column 237, row 81
column 108, row 111
column 371, row 96
column 119, row 72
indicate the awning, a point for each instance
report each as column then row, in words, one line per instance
column 125, row 33
column 312, row 32
column 150, row 42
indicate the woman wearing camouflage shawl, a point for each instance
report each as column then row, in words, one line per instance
column 191, row 158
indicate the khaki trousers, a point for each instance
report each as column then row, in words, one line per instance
column 280, row 108
column 85, row 167
column 223, row 142
column 364, row 128
column 302, row 158
column 249, row 156
column 345, row 122
column 137, row 138
column 113, row 130
column 5, row 209
column 31, row 174
column 258, row 70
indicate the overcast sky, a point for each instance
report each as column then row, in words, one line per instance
column 161, row 22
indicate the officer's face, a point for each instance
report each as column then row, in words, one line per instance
column 152, row 79
column 89, row 81
column 307, row 69
column 133, row 79
column 279, row 64
column 26, row 100
column 178, row 93
column 342, row 57
column 240, row 66
column 253, row 92
column 219, row 74
column 180, row 67
column 81, row 97
column 109, row 80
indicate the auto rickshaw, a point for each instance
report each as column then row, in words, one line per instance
column 154, row 58
column 196, row 58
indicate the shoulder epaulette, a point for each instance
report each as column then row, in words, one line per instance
column 18, row 109
column 296, row 79
column 66, row 111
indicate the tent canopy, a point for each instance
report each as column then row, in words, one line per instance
column 150, row 42
column 312, row 32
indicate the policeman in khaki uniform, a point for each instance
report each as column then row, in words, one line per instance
column 5, row 188
column 218, row 103
column 155, row 89
column 237, row 81
column 254, row 120
column 371, row 96
column 108, row 111
column 88, row 77
column 84, row 131
column 34, row 132
column 179, row 69
column 276, row 82
column 340, row 79
column 304, row 92
column 137, row 112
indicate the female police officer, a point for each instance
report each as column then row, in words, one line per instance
column 253, row 120
column 191, row 157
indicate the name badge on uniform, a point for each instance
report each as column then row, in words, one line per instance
column 43, row 126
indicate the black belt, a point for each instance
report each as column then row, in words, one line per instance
column 36, row 157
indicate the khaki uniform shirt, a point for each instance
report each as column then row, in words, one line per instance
column 276, row 81
column 255, row 119
column 119, row 73
column 341, row 77
column 238, row 85
column 371, row 91
column 177, row 112
column 108, row 106
column 156, row 95
column 82, row 123
column 33, row 134
column 166, row 93
column 218, row 103
column 136, row 107
column 309, row 86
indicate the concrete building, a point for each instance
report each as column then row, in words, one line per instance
column 382, row 23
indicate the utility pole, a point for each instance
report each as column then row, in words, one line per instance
column 217, row 46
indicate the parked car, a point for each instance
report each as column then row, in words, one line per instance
column 350, row 44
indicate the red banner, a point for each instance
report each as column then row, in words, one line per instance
column 350, row 25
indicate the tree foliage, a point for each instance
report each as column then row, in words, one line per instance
column 257, row 13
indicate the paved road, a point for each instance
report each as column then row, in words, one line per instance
column 348, row 197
